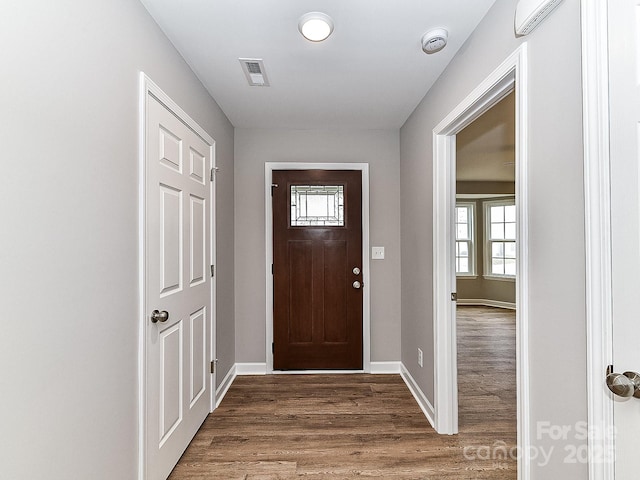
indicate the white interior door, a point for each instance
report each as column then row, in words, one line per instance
column 178, row 282
column 624, row 51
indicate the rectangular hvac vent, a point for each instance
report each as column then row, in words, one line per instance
column 253, row 69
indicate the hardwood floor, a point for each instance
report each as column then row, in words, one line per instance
column 352, row 426
column 487, row 375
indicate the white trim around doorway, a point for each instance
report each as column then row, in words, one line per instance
column 597, row 198
column 269, row 167
column 509, row 76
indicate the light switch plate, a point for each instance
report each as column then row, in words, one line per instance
column 377, row 253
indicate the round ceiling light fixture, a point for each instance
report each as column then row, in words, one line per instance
column 435, row 40
column 315, row 26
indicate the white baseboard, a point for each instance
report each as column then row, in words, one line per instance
column 261, row 369
column 486, row 303
column 382, row 368
column 251, row 368
column 418, row 394
column 222, row 389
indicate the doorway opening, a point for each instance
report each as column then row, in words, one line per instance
column 485, row 262
column 509, row 77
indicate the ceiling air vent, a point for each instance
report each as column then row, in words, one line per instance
column 253, row 69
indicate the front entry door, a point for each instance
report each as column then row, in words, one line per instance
column 317, row 259
column 178, row 287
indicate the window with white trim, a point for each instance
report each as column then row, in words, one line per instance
column 500, row 236
column 465, row 248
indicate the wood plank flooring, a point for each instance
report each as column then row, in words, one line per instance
column 353, row 426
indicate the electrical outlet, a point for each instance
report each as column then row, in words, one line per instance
column 420, row 357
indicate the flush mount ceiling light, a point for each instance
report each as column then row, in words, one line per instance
column 315, row 26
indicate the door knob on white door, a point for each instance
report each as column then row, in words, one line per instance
column 159, row 316
column 625, row 384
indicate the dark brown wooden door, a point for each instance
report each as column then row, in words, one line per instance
column 317, row 244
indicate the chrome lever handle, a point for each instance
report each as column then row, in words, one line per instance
column 625, row 384
column 159, row 316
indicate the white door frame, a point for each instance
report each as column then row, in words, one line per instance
column 510, row 75
column 148, row 88
column 269, row 167
column 597, row 198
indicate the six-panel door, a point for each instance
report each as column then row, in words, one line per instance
column 178, row 212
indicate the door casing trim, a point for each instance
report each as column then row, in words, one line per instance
column 597, row 203
column 269, row 167
column 509, row 75
column 148, row 88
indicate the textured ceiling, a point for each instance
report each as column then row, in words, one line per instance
column 370, row 73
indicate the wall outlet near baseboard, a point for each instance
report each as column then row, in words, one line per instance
column 420, row 358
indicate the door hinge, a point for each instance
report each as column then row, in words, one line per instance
column 213, row 173
column 454, row 297
column 213, row 365
column 273, row 348
column 272, row 269
column 273, row 185
column 213, row 270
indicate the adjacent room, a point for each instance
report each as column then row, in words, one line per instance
column 486, row 276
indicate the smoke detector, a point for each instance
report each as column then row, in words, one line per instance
column 435, row 40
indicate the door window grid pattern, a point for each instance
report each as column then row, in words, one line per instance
column 317, row 205
column 464, row 221
column 501, row 239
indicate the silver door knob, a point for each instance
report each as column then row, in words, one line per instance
column 357, row 284
column 356, row 271
column 159, row 316
column 625, row 384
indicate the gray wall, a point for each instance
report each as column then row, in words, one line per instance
column 68, row 248
column 480, row 288
column 556, row 249
column 381, row 150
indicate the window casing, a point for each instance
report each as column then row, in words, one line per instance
column 465, row 239
column 500, row 239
